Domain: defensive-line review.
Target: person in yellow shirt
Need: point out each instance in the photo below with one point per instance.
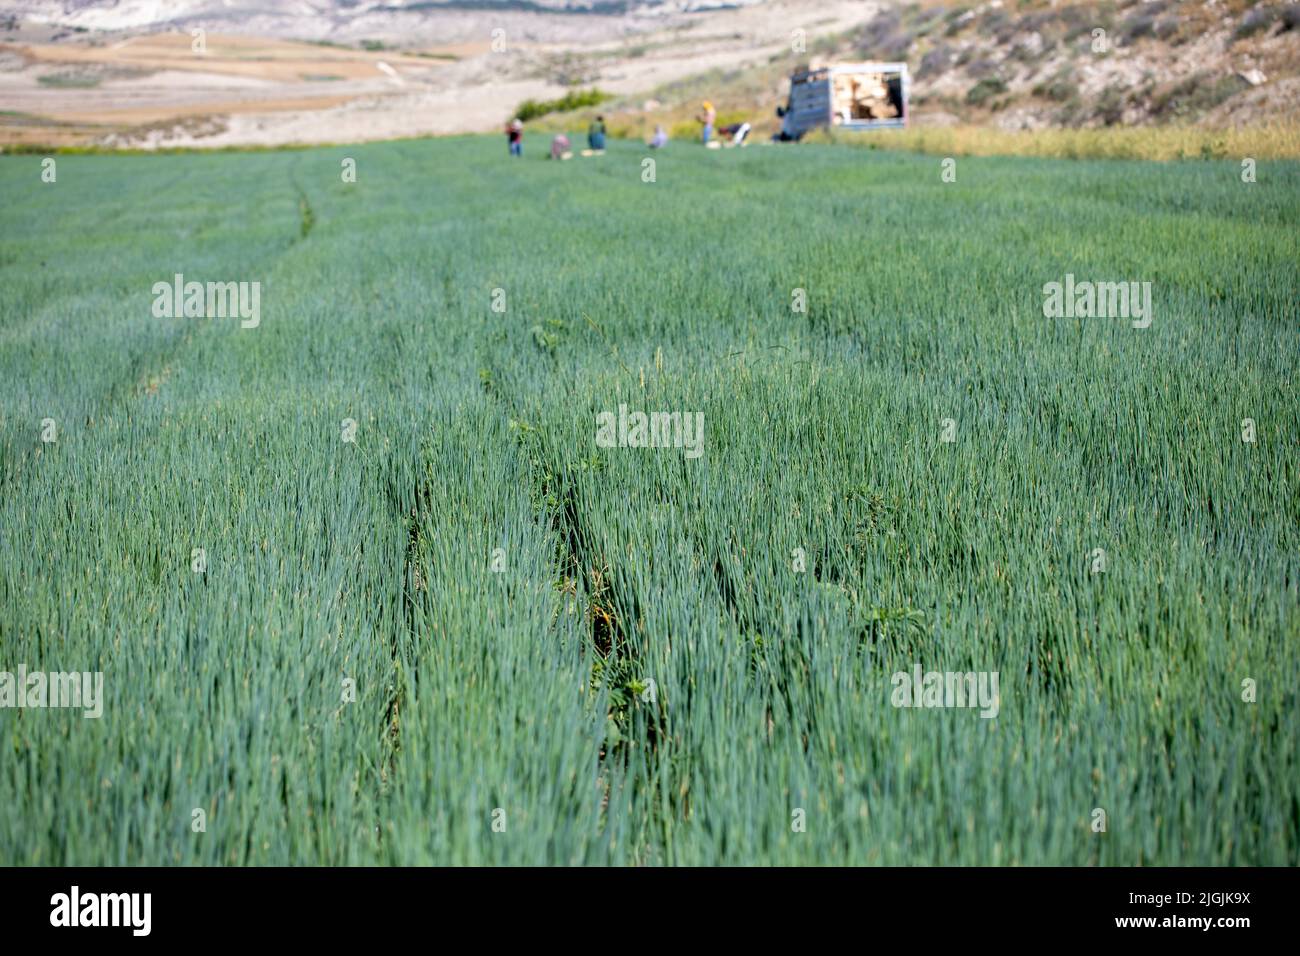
(708, 118)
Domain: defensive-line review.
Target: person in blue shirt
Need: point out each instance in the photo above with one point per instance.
(596, 133)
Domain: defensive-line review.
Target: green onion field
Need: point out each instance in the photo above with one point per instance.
(365, 588)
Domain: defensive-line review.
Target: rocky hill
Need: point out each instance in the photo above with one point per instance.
(121, 72)
(1031, 65)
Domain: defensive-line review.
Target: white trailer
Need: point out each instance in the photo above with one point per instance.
(854, 96)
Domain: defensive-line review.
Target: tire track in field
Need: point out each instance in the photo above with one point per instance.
(404, 505)
(89, 220)
(148, 372)
(306, 214)
(611, 601)
(134, 377)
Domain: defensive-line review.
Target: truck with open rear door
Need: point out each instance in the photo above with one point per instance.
(852, 96)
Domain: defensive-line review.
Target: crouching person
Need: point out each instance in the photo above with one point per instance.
(560, 147)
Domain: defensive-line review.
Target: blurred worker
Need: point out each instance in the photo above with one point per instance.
(707, 119)
(787, 134)
(735, 133)
(596, 134)
(515, 135)
(659, 139)
(560, 147)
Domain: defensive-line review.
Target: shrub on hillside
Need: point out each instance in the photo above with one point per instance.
(985, 90)
(1261, 19)
(1059, 88)
(936, 62)
(573, 100)
(885, 38)
(1141, 22)
(1195, 95)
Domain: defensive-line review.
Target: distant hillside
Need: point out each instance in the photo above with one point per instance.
(121, 73)
(344, 21)
(75, 74)
(1036, 65)
(1031, 65)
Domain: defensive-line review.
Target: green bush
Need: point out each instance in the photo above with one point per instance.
(70, 81)
(985, 90)
(1196, 95)
(574, 100)
(1059, 88)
